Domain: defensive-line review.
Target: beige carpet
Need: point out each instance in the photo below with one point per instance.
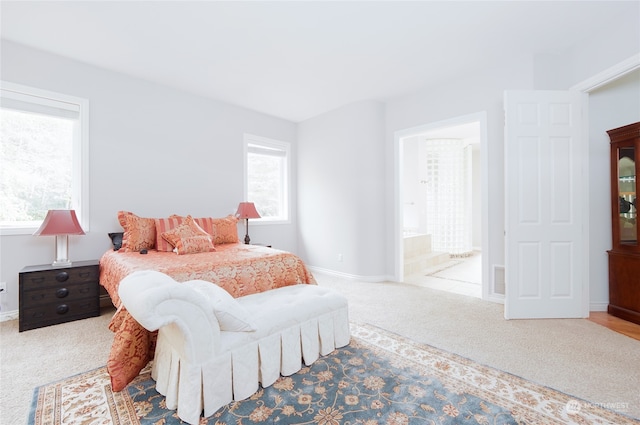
(577, 357)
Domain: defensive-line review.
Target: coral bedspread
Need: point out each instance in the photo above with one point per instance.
(238, 268)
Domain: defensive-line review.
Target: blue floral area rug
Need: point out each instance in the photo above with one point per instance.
(379, 379)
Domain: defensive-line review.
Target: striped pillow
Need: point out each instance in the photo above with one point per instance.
(164, 225)
(206, 223)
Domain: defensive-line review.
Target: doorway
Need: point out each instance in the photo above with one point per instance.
(457, 263)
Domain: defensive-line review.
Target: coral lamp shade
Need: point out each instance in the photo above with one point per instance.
(60, 222)
(247, 210)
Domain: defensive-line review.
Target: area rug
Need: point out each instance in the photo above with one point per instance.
(379, 379)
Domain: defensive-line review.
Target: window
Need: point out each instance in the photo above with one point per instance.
(43, 156)
(267, 177)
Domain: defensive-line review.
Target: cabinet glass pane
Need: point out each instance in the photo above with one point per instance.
(627, 196)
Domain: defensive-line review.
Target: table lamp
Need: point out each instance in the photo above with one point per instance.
(247, 210)
(61, 224)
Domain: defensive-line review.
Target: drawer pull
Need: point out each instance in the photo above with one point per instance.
(62, 292)
(37, 297)
(84, 274)
(62, 309)
(37, 314)
(37, 279)
(62, 276)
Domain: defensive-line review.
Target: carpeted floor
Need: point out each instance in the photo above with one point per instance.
(576, 357)
(380, 378)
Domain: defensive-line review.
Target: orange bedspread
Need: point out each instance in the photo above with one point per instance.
(238, 268)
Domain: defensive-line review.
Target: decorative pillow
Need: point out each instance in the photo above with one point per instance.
(116, 240)
(189, 238)
(206, 223)
(164, 225)
(230, 314)
(139, 233)
(194, 245)
(226, 230)
(133, 347)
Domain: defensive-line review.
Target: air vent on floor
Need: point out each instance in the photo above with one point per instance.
(498, 280)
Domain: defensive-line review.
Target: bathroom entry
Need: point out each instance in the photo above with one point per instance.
(441, 208)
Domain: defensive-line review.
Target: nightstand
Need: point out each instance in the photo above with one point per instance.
(52, 295)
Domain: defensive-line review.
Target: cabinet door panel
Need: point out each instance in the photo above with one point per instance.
(624, 256)
(627, 212)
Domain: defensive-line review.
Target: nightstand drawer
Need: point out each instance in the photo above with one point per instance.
(60, 293)
(54, 313)
(56, 277)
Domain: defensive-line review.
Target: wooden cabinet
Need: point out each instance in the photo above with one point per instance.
(51, 295)
(624, 256)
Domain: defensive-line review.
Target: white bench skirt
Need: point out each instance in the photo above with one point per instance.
(199, 367)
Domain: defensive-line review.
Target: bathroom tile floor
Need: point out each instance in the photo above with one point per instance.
(458, 275)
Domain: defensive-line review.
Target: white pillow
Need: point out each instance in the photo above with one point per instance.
(230, 314)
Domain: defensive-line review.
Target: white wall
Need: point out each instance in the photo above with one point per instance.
(154, 151)
(341, 198)
(605, 48)
(482, 91)
(616, 104)
(611, 106)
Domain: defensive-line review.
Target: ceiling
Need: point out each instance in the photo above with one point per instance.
(296, 60)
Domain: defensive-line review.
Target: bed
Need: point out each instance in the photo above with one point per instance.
(238, 268)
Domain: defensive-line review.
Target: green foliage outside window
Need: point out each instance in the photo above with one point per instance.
(265, 180)
(36, 162)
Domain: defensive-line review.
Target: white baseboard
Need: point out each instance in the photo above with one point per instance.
(374, 279)
(8, 315)
(598, 306)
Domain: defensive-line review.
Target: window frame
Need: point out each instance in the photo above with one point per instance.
(250, 139)
(80, 166)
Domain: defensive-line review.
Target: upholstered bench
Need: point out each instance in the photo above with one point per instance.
(213, 349)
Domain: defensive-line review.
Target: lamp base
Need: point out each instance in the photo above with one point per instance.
(62, 251)
(247, 239)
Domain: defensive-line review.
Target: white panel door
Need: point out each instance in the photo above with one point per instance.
(546, 152)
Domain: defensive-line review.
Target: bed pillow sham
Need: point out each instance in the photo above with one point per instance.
(139, 233)
(164, 225)
(226, 230)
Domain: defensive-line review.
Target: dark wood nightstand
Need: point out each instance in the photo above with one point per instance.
(52, 295)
